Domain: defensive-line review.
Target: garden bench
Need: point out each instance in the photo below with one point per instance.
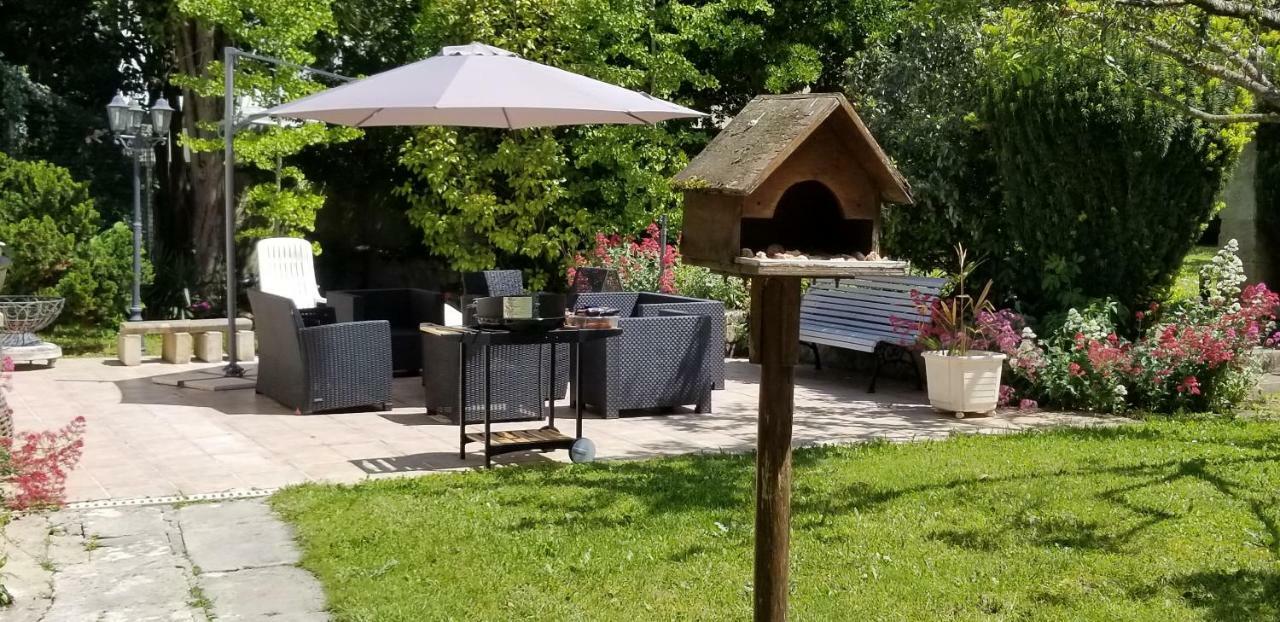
(177, 347)
(855, 314)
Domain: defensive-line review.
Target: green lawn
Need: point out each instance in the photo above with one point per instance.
(1187, 284)
(1153, 521)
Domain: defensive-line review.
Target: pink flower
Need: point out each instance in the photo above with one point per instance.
(1140, 315)
(1190, 384)
(1028, 404)
(1006, 395)
(1074, 369)
(39, 462)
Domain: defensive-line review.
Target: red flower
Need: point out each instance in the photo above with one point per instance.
(1074, 369)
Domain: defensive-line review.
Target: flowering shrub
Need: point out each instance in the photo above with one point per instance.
(1190, 356)
(1084, 363)
(637, 262)
(34, 465)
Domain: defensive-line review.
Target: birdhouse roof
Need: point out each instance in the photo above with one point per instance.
(769, 129)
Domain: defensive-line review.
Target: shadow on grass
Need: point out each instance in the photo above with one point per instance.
(621, 494)
(1223, 595)
(1239, 595)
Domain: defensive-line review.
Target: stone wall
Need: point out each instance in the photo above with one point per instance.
(1240, 217)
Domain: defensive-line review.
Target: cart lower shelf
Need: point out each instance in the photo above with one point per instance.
(523, 440)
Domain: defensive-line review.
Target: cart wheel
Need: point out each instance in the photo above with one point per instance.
(959, 415)
(583, 450)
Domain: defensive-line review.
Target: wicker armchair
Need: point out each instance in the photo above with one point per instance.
(670, 353)
(328, 367)
(492, 283)
(404, 309)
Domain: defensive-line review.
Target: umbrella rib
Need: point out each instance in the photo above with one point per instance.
(629, 114)
(361, 122)
(508, 118)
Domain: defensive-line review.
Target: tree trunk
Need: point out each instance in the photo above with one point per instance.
(195, 46)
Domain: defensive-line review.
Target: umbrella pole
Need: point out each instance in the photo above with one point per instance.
(229, 129)
(233, 368)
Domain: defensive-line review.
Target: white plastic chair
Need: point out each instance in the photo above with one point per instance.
(286, 268)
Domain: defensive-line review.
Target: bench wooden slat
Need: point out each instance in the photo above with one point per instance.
(863, 284)
(843, 308)
(877, 296)
(878, 317)
(850, 342)
(852, 326)
(874, 302)
(853, 335)
(182, 326)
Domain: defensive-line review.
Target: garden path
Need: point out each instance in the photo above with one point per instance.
(195, 562)
(148, 442)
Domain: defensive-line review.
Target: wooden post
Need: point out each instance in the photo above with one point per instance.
(775, 346)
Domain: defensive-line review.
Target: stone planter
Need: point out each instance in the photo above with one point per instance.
(963, 384)
(23, 316)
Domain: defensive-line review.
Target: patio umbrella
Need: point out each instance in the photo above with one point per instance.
(479, 85)
(472, 85)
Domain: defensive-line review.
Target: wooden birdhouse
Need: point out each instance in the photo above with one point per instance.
(793, 185)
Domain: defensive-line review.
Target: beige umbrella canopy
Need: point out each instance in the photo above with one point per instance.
(479, 85)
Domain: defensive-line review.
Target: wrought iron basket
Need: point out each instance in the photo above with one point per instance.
(24, 315)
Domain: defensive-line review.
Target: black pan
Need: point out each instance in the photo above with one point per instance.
(522, 312)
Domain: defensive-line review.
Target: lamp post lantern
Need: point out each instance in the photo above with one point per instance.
(138, 132)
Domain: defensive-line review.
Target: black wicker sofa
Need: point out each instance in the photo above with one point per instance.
(670, 353)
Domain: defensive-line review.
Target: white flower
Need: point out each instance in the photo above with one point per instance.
(1121, 391)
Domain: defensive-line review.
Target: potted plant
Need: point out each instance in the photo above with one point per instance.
(960, 380)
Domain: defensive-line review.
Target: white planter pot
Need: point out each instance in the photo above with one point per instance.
(964, 384)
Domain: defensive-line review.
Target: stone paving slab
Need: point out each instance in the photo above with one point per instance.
(261, 540)
(143, 563)
(276, 592)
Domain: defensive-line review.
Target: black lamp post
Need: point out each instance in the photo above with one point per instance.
(138, 139)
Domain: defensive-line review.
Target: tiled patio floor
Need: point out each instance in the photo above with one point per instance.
(146, 439)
